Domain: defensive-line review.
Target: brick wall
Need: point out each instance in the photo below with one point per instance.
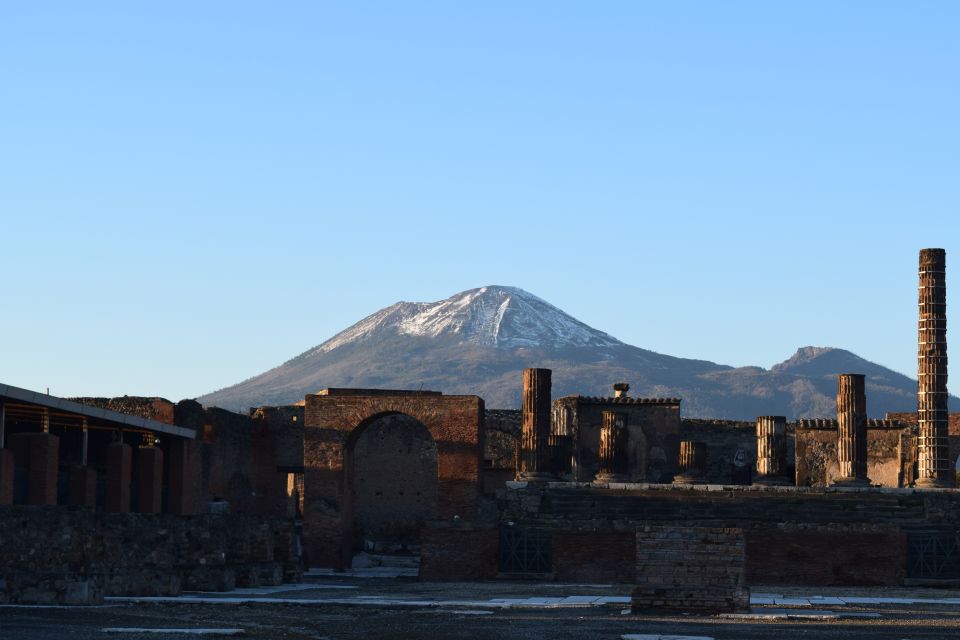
(78, 556)
(459, 553)
(335, 419)
(594, 556)
(690, 569)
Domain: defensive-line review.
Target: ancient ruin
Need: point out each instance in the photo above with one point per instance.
(578, 488)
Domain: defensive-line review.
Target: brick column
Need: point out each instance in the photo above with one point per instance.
(851, 430)
(692, 463)
(182, 478)
(43, 466)
(614, 454)
(6, 476)
(119, 465)
(772, 450)
(83, 487)
(535, 436)
(935, 467)
(149, 479)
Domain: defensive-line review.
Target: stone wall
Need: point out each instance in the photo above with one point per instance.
(731, 448)
(816, 454)
(687, 569)
(793, 535)
(78, 556)
(653, 434)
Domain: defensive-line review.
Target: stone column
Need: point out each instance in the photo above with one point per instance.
(149, 479)
(851, 430)
(934, 468)
(692, 463)
(119, 465)
(535, 436)
(772, 450)
(614, 452)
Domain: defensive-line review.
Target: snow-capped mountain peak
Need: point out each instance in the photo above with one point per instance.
(498, 316)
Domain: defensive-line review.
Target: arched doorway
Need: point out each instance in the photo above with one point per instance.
(391, 485)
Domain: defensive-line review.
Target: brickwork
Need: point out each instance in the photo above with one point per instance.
(43, 457)
(61, 562)
(690, 569)
(459, 553)
(6, 476)
(594, 556)
(935, 467)
(149, 479)
(332, 424)
(83, 487)
(119, 465)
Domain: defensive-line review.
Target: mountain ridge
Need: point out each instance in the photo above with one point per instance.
(478, 341)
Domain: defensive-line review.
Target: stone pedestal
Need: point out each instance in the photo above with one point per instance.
(935, 468)
(535, 435)
(692, 463)
(772, 450)
(614, 452)
(83, 487)
(6, 476)
(119, 465)
(149, 479)
(851, 430)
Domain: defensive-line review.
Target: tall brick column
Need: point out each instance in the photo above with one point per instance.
(43, 467)
(149, 479)
(933, 451)
(6, 476)
(535, 435)
(182, 480)
(772, 450)
(692, 462)
(851, 429)
(614, 454)
(119, 465)
(83, 487)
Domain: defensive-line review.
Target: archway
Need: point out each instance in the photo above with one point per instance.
(392, 486)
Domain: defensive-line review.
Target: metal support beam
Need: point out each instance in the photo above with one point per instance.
(45, 421)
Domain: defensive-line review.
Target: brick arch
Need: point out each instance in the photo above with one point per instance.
(335, 417)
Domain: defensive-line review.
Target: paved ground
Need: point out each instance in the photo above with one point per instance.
(387, 608)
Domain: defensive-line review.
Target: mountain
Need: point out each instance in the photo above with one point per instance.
(478, 341)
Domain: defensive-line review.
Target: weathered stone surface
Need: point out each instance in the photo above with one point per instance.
(692, 462)
(614, 448)
(851, 429)
(695, 569)
(535, 455)
(771, 449)
(77, 556)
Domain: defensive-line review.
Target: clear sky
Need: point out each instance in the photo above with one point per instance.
(194, 192)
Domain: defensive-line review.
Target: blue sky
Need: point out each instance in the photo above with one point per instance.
(192, 193)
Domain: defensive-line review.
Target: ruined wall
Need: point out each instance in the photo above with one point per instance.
(78, 556)
(501, 448)
(953, 431)
(454, 423)
(653, 434)
(793, 535)
(888, 453)
(159, 409)
(731, 448)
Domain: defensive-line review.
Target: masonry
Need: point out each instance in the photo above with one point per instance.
(78, 556)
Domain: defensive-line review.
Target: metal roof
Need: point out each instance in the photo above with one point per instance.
(105, 415)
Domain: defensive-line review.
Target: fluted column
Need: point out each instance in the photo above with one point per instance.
(535, 436)
(851, 429)
(772, 450)
(692, 463)
(614, 454)
(933, 451)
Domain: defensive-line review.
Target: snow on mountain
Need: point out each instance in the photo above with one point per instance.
(496, 316)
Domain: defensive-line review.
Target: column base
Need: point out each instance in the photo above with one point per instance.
(851, 482)
(535, 476)
(773, 481)
(931, 483)
(607, 478)
(690, 478)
